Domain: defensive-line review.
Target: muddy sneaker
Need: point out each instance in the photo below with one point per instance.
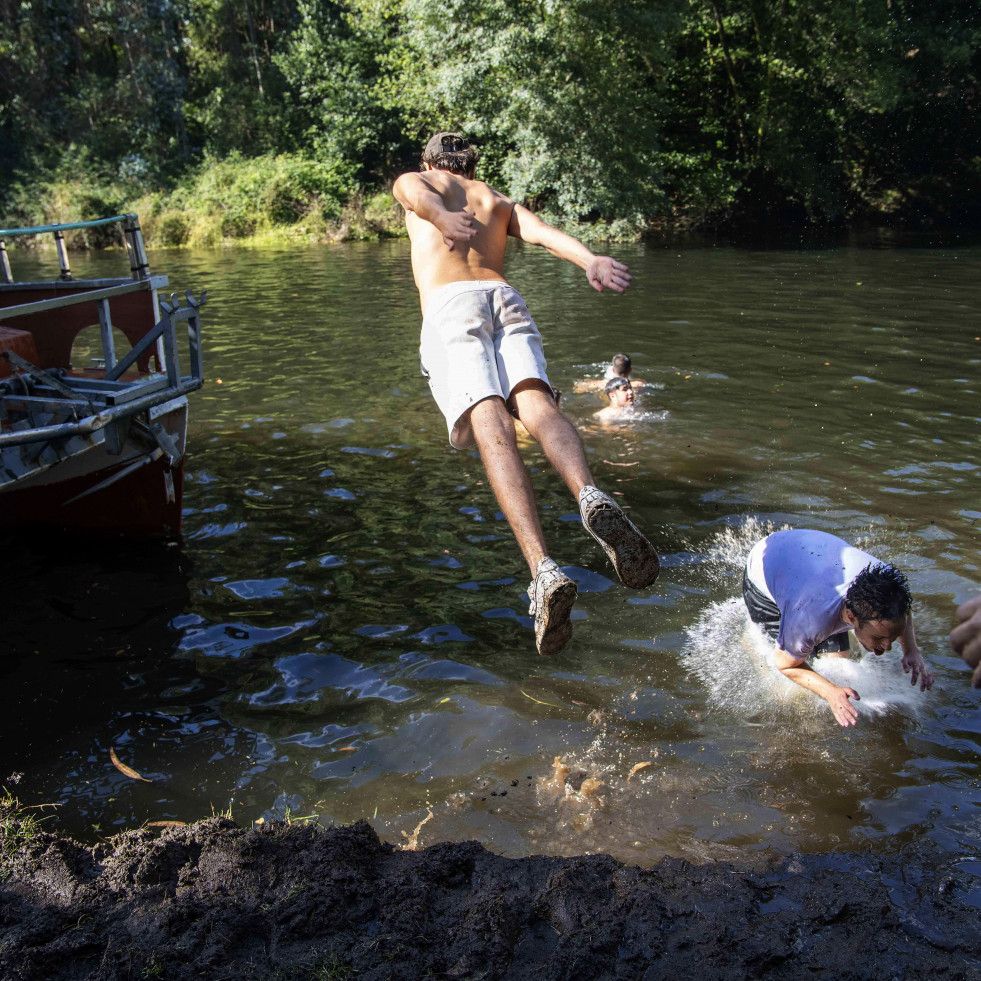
(552, 595)
(632, 555)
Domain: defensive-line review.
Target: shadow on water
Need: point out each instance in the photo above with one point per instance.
(89, 664)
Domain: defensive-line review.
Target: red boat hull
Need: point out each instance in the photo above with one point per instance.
(135, 505)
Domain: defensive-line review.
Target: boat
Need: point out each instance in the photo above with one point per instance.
(95, 446)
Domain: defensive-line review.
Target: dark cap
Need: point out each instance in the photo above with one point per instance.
(445, 143)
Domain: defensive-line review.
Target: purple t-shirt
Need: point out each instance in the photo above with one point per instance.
(806, 573)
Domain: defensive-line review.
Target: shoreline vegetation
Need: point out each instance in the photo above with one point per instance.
(288, 120)
(275, 201)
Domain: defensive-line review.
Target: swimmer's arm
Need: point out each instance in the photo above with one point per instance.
(912, 658)
(797, 670)
(589, 385)
(417, 195)
(965, 638)
(602, 271)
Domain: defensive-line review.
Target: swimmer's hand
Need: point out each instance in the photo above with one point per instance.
(913, 661)
(456, 226)
(845, 713)
(965, 638)
(605, 272)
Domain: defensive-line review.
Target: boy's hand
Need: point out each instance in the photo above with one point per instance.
(606, 272)
(912, 661)
(965, 638)
(845, 713)
(456, 226)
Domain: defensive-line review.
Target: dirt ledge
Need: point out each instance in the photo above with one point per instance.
(221, 902)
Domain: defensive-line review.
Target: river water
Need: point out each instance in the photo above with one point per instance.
(342, 632)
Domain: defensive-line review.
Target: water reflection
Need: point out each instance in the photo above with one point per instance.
(344, 631)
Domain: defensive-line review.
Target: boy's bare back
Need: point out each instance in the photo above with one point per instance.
(488, 213)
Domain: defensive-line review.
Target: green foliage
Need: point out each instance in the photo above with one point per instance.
(241, 197)
(563, 95)
(238, 100)
(240, 117)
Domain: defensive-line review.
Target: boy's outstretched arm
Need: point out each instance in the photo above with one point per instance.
(416, 194)
(797, 670)
(602, 271)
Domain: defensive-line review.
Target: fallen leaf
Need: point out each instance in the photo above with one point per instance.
(636, 767)
(124, 769)
(539, 701)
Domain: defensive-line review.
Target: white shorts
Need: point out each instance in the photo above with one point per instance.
(478, 340)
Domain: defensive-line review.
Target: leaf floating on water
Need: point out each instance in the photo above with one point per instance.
(166, 824)
(538, 700)
(127, 771)
(636, 767)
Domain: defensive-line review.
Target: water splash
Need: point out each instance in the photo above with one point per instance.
(731, 546)
(733, 658)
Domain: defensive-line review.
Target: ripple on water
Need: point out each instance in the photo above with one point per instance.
(234, 639)
(326, 678)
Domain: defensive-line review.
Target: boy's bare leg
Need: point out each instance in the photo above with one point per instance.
(557, 436)
(493, 429)
(552, 593)
(634, 558)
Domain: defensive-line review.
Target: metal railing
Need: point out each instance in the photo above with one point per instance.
(99, 403)
(132, 236)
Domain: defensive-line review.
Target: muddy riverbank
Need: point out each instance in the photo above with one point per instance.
(293, 901)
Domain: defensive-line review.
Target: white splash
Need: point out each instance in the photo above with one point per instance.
(734, 660)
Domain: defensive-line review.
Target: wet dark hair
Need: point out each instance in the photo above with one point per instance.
(614, 383)
(879, 592)
(621, 364)
(452, 152)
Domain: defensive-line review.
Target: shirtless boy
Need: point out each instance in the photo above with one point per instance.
(620, 367)
(807, 589)
(482, 354)
(621, 395)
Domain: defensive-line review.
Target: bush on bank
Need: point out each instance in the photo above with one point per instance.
(259, 200)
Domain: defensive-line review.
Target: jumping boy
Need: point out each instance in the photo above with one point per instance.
(482, 354)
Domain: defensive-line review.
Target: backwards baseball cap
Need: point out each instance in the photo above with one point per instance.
(445, 143)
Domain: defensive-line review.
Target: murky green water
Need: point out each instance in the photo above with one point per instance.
(343, 630)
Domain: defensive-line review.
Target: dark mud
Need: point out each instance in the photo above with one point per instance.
(217, 901)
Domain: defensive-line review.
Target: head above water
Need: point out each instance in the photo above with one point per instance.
(877, 604)
(621, 365)
(452, 152)
(620, 392)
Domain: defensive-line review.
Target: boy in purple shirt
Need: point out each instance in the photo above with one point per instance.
(807, 589)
